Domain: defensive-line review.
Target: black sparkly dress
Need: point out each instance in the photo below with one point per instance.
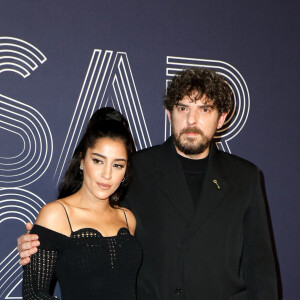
(86, 265)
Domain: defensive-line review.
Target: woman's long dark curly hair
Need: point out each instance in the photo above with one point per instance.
(205, 82)
(105, 123)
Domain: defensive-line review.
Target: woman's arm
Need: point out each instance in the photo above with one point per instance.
(51, 226)
(39, 273)
(51, 216)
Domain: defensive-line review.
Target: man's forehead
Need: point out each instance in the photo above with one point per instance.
(195, 98)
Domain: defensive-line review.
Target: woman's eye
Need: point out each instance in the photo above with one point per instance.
(97, 161)
(118, 166)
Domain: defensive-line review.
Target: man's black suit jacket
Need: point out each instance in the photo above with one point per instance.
(219, 251)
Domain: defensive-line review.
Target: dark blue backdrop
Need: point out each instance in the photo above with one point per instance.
(48, 65)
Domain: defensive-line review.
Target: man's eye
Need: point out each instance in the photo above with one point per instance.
(181, 108)
(205, 109)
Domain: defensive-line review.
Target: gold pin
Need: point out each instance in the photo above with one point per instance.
(215, 181)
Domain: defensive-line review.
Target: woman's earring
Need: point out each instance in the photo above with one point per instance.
(81, 167)
(123, 180)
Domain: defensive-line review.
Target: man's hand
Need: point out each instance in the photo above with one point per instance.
(27, 245)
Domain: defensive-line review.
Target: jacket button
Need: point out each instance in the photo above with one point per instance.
(178, 291)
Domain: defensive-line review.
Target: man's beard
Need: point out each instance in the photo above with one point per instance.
(190, 145)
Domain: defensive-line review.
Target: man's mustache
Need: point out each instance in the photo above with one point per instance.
(191, 130)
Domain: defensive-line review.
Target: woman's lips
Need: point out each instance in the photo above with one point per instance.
(103, 186)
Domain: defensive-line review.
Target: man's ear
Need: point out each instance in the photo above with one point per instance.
(169, 115)
(222, 120)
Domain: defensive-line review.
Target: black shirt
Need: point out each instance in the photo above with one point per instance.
(194, 171)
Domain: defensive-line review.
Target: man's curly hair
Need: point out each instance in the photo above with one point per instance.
(205, 82)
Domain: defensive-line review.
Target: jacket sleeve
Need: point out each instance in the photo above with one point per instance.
(258, 259)
(39, 273)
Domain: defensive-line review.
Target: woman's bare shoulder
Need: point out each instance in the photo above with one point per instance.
(53, 216)
(130, 219)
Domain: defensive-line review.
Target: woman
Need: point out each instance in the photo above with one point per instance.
(86, 239)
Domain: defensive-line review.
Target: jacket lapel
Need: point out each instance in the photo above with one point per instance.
(215, 188)
(170, 180)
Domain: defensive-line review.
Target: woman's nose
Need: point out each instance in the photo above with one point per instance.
(106, 172)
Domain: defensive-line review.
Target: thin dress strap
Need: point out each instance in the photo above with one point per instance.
(125, 217)
(67, 215)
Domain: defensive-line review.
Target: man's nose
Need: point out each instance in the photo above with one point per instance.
(192, 117)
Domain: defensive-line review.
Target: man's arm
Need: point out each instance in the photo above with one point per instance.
(27, 245)
(258, 258)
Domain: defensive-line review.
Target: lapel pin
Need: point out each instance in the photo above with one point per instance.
(215, 181)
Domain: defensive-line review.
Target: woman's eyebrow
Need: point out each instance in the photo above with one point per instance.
(103, 156)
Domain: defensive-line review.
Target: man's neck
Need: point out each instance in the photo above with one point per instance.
(194, 156)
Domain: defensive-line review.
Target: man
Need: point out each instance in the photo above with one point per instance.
(200, 212)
